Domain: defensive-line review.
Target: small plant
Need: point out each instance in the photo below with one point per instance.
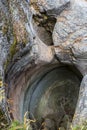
(27, 122)
(81, 127)
(13, 48)
(3, 121)
(2, 95)
(15, 125)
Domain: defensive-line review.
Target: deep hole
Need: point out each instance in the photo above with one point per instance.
(52, 97)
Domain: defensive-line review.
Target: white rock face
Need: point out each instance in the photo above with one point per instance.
(82, 3)
(52, 4)
(70, 36)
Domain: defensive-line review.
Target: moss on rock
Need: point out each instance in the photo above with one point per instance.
(3, 121)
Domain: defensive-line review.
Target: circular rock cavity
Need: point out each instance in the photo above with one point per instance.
(53, 95)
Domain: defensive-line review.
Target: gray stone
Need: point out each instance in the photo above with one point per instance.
(69, 36)
(49, 124)
(52, 4)
(81, 110)
(70, 41)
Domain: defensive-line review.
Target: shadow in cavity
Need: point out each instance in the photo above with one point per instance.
(43, 26)
(54, 98)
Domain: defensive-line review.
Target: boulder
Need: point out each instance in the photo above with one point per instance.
(70, 36)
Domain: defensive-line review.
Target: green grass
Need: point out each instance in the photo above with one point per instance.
(81, 127)
(15, 125)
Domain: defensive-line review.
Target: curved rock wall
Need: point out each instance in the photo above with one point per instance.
(23, 50)
(47, 92)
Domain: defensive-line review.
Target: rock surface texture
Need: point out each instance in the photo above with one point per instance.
(42, 43)
(70, 36)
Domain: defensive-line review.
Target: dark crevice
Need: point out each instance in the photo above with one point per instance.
(44, 25)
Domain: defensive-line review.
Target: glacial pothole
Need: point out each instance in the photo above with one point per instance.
(53, 96)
